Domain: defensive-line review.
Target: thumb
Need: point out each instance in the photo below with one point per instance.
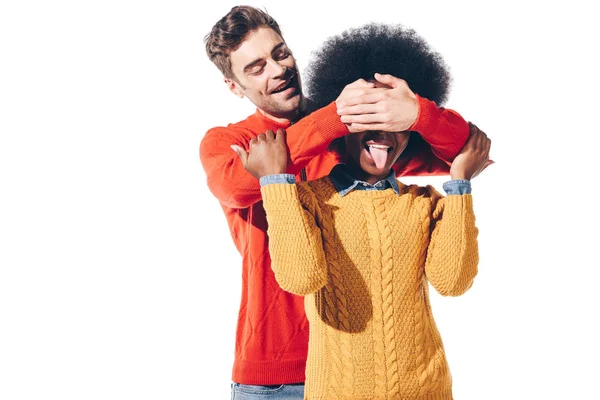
(281, 135)
(241, 153)
(389, 80)
(487, 164)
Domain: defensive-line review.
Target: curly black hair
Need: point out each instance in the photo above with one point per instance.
(387, 49)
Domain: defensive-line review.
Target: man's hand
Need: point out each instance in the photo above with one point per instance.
(391, 106)
(474, 156)
(268, 154)
(353, 90)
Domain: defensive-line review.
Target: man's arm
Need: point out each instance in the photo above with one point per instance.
(399, 109)
(233, 180)
(443, 129)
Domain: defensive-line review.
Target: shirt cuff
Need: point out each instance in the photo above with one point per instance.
(457, 186)
(277, 178)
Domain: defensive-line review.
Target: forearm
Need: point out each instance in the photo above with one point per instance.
(311, 135)
(452, 256)
(295, 245)
(443, 129)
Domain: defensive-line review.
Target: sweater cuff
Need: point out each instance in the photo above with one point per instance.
(457, 186)
(329, 124)
(458, 203)
(427, 118)
(279, 192)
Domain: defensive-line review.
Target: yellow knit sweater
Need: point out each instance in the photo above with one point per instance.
(363, 262)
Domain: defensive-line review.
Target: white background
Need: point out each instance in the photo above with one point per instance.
(118, 277)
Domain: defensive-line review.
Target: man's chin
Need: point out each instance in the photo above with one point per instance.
(291, 103)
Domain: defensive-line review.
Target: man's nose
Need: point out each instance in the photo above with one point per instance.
(277, 69)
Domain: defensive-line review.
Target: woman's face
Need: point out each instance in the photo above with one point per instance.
(374, 152)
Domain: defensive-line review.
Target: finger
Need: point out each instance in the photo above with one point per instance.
(389, 80)
(269, 135)
(261, 137)
(487, 145)
(369, 97)
(241, 153)
(487, 164)
(482, 138)
(360, 83)
(473, 137)
(360, 109)
(357, 127)
(281, 135)
(364, 119)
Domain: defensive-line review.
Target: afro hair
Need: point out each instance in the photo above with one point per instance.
(387, 49)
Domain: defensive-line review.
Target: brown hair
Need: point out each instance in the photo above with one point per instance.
(230, 31)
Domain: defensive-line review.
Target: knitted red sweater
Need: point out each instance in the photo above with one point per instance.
(272, 330)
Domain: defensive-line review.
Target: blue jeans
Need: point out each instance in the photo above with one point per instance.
(273, 392)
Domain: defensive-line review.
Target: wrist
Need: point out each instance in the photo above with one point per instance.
(274, 171)
(416, 114)
(460, 177)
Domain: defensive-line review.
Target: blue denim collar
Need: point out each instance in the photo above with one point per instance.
(344, 182)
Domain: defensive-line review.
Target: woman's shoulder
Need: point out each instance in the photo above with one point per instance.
(414, 190)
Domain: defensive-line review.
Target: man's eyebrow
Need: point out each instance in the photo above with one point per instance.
(259, 60)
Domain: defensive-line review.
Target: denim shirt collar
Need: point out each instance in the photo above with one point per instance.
(344, 182)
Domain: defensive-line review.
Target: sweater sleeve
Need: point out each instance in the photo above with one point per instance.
(237, 188)
(452, 255)
(295, 244)
(311, 135)
(226, 176)
(444, 131)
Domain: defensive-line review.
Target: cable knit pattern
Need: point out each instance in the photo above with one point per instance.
(368, 258)
(378, 310)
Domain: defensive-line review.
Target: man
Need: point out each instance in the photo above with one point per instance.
(248, 48)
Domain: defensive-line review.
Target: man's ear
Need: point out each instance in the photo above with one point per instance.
(234, 87)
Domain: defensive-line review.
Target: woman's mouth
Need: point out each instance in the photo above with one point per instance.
(378, 152)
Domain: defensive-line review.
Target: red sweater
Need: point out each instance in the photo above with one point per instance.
(272, 331)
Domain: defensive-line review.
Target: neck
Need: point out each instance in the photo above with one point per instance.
(359, 174)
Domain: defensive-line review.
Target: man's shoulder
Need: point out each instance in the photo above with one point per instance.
(246, 125)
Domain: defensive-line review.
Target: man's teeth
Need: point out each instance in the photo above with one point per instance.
(280, 88)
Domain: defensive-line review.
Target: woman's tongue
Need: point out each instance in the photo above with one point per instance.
(379, 155)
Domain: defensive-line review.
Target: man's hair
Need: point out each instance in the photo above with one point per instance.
(229, 33)
(387, 49)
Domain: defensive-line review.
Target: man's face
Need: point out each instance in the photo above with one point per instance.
(266, 73)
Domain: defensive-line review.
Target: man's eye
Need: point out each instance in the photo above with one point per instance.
(282, 56)
(256, 70)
